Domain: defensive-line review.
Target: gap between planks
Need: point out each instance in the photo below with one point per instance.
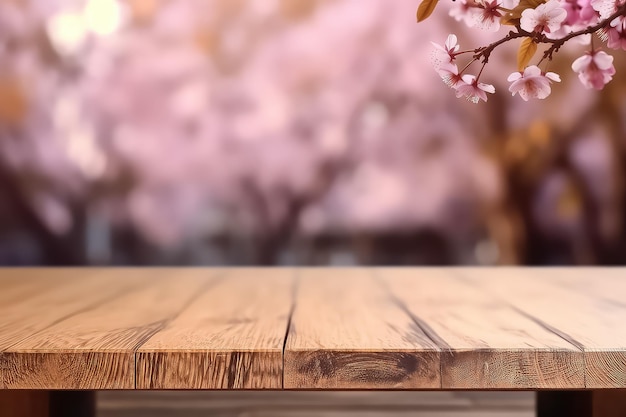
(460, 275)
(430, 333)
(231, 345)
(379, 346)
(64, 369)
(211, 282)
(490, 345)
(294, 294)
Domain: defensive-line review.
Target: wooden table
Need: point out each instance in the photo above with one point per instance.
(67, 333)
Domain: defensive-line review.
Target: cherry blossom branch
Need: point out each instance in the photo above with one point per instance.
(485, 52)
(558, 43)
(534, 26)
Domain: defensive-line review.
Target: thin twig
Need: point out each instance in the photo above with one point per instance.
(558, 43)
(484, 52)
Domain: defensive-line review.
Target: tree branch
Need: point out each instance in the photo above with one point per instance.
(558, 43)
(484, 52)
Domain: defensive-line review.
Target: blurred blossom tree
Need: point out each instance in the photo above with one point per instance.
(279, 121)
(39, 177)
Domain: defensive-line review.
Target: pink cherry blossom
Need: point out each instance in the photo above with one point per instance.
(509, 4)
(580, 15)
(595, 69)
(474, 91)
(615, 37)
(606, 7)
(532, 83)
(546, 18)
(466, 11)
(449, 73)
(579, 12)
(489, 17)
(444, 54)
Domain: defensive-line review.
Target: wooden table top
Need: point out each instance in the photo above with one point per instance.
(421, 329)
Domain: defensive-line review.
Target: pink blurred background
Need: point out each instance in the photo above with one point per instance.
(261, 132)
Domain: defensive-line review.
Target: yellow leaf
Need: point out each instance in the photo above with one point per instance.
(526, 52)
(427, 7)
(531, 3)
(509, 19)
(516, 13)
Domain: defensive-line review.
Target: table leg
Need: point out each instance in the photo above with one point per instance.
(23, 403)
(72, 404)
(565, 403)
(47, 404)
(602, 403)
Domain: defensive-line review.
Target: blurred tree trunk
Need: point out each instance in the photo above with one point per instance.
(19, 216)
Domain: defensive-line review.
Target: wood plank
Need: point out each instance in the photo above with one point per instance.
(488, 345)
(20, 284)
(347, 333)
(57, 295)
(94, 348)
(593, 323)
(229, 338)
(608, 284)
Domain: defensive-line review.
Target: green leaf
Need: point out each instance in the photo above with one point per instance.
(526, 52)
(426, 8)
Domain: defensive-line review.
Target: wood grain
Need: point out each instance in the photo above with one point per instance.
(231, 337)
(32, 300)
(607, 284)
(488, 345)
(18, 285)
(607, 288)
(594, 324)
(94, 347)
(336, 329)
(347, 333)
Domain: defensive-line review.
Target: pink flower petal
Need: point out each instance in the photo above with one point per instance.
(514, 77)
(553, 76)
(451, 43)
(532, 71)
(603, 60)
(581, 63)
